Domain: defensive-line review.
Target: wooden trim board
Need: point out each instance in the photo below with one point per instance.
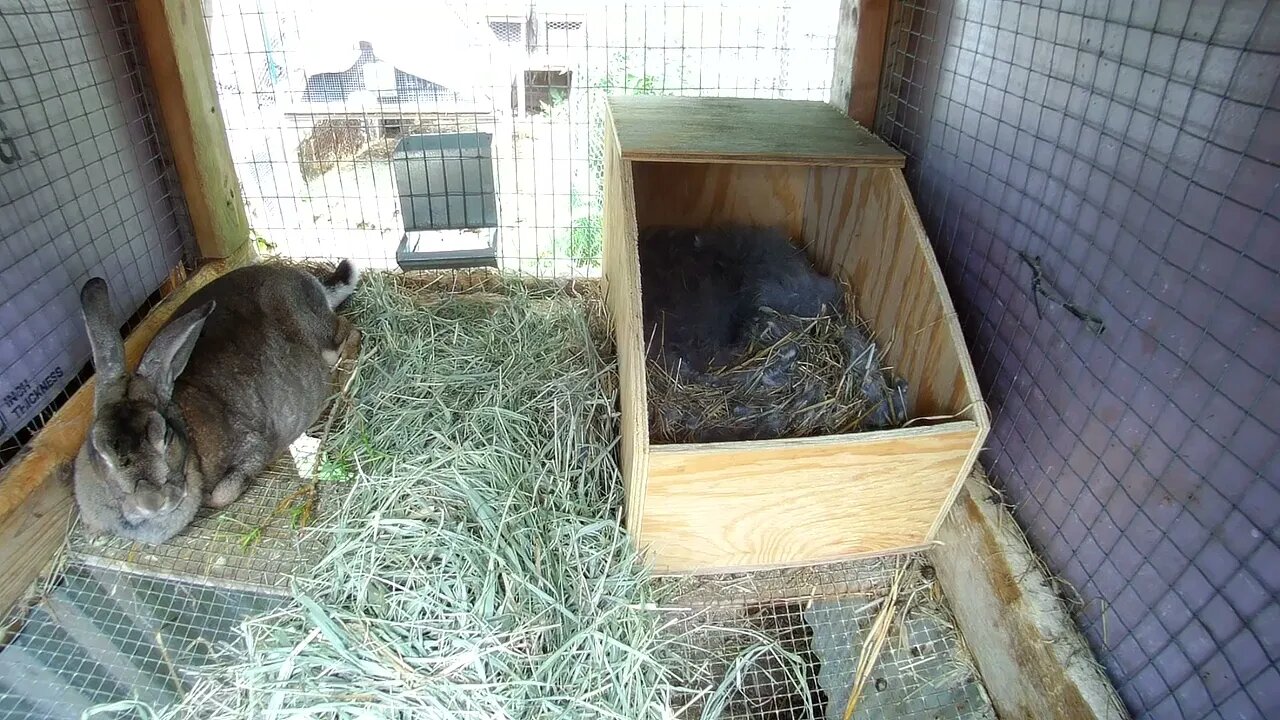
(660, 128)
(622, 297)
(861, 36)
(35, 490)
(181, 67)
(842, 67)
(868, 59)
(769, 503)
(1032, 658)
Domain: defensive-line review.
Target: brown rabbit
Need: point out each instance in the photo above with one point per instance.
(239, 373)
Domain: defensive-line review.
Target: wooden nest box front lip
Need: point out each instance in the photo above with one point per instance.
(809, 169)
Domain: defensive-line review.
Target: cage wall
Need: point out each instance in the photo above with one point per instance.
(85, 190)
(317, 100)
(1100, 181)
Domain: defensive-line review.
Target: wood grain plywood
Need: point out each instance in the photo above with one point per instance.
(744, 130)
(701, 194)
(763, 504)
(865, 230)
(622, 295)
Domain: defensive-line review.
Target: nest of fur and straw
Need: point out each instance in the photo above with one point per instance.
(796, 377)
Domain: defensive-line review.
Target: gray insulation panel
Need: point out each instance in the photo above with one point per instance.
(81, 193)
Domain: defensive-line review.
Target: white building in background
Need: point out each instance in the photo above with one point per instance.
(288, 71)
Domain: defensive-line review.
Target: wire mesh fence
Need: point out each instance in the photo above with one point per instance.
(1101, 182)
(116, 641)
(86, 190)
(321, 102)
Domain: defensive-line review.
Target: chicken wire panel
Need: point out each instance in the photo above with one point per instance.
(1100, 180)
(85, 191)
(316, 98)
(786, 644)
(97, 637)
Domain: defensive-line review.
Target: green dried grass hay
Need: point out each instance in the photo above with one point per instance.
(475, 567)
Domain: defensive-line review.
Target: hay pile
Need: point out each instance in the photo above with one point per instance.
(747, 341)
(331, 141)
(476, 568)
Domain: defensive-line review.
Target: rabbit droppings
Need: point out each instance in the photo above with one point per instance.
(238, 374)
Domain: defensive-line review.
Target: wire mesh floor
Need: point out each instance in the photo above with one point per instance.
(133, 625)
(256, 544)
(103, 635)
(787, 644)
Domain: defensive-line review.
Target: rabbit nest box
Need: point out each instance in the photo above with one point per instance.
(746, 341)
(744, 173)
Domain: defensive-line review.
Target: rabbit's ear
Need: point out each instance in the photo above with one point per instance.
(104, 335)
(168, 353)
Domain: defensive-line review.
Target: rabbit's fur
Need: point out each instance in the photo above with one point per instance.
(701, 289)
(690, 298)
(239, 373)
(773, 272)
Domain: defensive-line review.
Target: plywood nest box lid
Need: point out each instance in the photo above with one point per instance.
(744, 130)
(838, 191)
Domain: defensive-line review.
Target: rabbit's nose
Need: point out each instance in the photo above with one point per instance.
(150, 503)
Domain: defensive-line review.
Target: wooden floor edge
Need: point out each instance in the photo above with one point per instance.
(36, 503)
(1032, 658)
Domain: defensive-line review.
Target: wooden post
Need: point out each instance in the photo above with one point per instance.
(860, 43)
(181, 65)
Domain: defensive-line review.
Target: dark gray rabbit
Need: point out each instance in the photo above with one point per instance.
(774, 273)
(701, 290)
(238, 374)
(690, 300)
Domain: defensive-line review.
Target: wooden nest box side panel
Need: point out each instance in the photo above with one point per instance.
(840, 192)
(621, 280)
